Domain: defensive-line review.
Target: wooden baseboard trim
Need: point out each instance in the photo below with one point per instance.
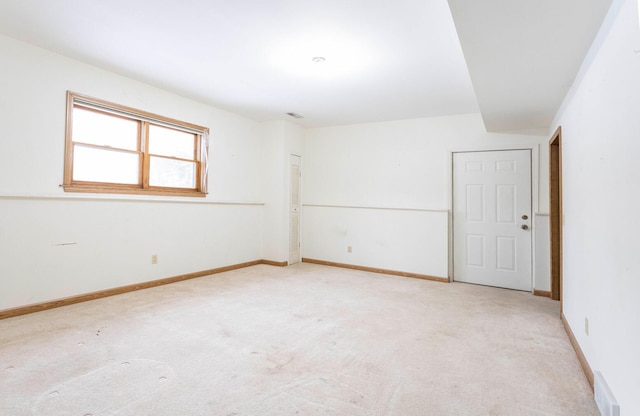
(376, 270)
(543, 293)
(275, 263)
(574, 342)
(23, 310)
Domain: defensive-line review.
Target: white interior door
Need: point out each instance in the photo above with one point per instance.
(492, 218)
(294, 210)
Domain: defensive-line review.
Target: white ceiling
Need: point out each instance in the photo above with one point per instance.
(385, 60)
(524, 55)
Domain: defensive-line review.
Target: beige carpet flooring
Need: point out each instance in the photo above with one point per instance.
(301, 340)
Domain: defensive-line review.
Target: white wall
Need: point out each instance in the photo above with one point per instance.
(113, 238)
(542, 250)
(364, 169)
(273, 165)
(280, 139)
(400, 164)
(600, 122)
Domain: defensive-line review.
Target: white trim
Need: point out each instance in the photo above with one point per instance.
(490, 148)
(125, 198)
(376, 207)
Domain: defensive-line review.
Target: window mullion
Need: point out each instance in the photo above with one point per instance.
(198, 159)
(144, 143)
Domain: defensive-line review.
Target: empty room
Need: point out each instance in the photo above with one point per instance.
(277, 207)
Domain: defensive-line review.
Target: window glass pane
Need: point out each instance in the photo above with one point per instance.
(172, 173)
(101, 165)
(104, 130)
(169, 142)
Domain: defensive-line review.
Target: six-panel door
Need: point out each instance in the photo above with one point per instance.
(492, 218)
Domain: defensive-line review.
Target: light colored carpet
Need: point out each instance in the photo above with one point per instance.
(301, 340)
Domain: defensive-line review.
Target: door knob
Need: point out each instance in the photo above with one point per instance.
(525, 217)
(524, 226)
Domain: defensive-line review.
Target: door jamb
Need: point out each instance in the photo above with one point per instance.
(555, 213)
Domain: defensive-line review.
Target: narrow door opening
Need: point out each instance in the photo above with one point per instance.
(555, 213)
(294, 209)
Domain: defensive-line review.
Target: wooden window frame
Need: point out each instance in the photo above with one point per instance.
(144, 120)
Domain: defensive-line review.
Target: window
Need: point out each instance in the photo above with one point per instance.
(115, 149)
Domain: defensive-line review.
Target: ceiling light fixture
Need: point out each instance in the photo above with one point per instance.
(336, 55)
(294, 115)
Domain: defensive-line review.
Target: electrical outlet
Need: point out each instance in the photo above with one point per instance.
(154, 259)
(349, 249)
(586, 326)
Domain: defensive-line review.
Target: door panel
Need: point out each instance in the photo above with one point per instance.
(475, 203)
(294, 210)
(491, 204)
(505, 204)
(475, 250)
(506, 257)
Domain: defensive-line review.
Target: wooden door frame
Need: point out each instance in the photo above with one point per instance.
(555, 213)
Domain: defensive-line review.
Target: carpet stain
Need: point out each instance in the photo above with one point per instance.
(106, 390)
